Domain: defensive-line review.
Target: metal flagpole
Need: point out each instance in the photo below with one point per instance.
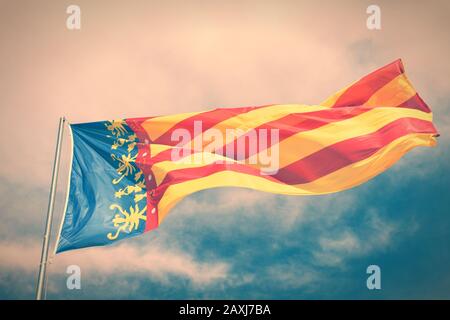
(51, 204)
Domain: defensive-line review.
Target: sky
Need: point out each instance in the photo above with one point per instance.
(145, 58)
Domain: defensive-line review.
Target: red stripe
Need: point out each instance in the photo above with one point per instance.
(350, 151)
(208, 120)
(288, 126)
(293, 124)
(316, 165)
(416, 102)
(361, 91)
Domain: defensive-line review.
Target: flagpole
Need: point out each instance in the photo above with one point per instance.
(51, 204)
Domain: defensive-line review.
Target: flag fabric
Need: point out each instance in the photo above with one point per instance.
(126, 175)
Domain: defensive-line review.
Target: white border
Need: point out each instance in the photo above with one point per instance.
(67, 191)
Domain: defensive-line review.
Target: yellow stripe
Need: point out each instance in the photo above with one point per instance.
(156, 127)
(394, 93)
(330, 101)
(339, 180)
(158, 148)
(253, 119)
(305, 143)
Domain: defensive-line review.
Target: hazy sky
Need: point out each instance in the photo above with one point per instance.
(144, 58)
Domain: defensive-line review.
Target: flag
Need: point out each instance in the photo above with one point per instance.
(126, 175)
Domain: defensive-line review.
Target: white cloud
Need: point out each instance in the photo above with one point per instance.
(158, 263)
(373, 234)
(292, 276)
(345, 242)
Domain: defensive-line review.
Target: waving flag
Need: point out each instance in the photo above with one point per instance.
(127, 174)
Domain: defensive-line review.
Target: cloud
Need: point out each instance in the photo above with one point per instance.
(293, 276)
(374, 234)
(345, 242)
(155, 262)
